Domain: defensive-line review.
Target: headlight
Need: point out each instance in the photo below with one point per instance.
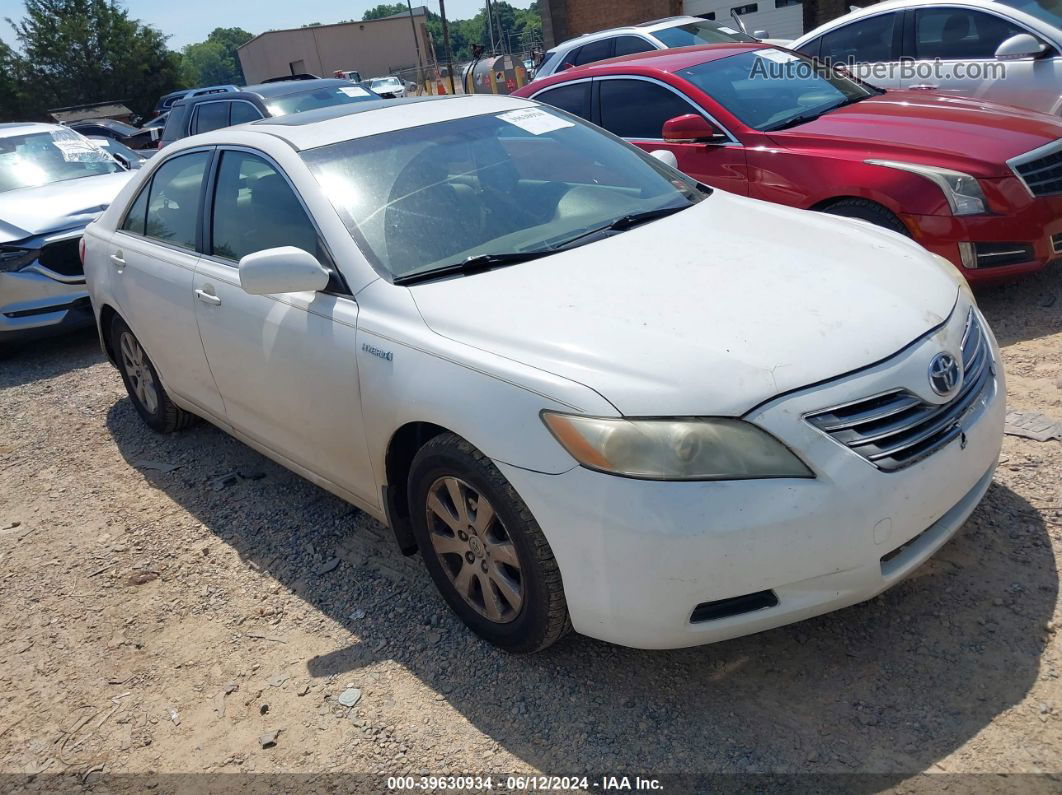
(962, 191)
(675, 449)
(14, 259)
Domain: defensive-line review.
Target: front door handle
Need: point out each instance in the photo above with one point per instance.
(208, 298)
(924, 87)
(118, 261)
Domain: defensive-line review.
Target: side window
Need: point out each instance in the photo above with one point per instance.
(629, 45)
(866, 41)
(255, 209)
(210, 116)
(136, 217)
(638, 109)
(959, 33)
(572, 97)
(594, 51)
(173, 202)
(243, 112)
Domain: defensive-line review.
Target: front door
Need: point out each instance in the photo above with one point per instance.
(286, 365)
(636, 109)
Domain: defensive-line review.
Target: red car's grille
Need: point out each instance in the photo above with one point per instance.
(1042, 175)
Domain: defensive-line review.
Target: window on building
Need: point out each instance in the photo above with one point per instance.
(751, 8)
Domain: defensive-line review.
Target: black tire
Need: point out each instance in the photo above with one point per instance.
(161, 414)
(542, 618)
(870, 211)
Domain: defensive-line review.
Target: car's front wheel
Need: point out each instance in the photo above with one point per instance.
(143, 384)
(484, 549)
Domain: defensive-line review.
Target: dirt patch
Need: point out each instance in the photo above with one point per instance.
(183, 604)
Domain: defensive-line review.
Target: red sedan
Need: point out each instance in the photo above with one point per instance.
(978, 183)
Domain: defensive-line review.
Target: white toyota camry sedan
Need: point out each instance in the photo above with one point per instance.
(593, 393)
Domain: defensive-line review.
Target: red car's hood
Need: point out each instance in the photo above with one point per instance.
(968, 135)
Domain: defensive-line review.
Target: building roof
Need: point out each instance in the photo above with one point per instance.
(418, 11)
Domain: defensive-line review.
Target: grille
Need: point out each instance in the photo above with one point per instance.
(993, 255)
(1042, 174)
(896, 429)
(62, 257)
(1056, 243)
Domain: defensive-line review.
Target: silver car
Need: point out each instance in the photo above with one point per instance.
(660, 34)
(53, 182)
(1007, 51)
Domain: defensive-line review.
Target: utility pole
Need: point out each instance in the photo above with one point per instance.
(416, 43)
(490, 28)
(446, 44)
(501, 37)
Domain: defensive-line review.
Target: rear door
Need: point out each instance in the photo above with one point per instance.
(286, 365)
(635, 108)
(153, 256)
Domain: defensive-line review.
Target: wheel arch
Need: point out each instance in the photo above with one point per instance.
(105, 320)
(401, 449)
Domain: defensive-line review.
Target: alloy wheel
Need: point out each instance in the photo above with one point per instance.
(475, 549)
(135, 364)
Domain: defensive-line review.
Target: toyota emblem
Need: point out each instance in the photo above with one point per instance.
(945, 375)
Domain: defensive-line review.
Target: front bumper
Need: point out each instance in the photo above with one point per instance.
(1035, 223)
(34, 305)
(637, 557)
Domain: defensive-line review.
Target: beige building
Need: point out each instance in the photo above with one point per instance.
(372, 47)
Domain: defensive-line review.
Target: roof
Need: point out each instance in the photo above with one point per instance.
(284, 87)
(662, 60)
(418, 11)
(93, 110)
(12, 128)
(343, 122)
(641, 27)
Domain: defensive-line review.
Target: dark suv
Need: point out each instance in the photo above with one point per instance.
(212, 112)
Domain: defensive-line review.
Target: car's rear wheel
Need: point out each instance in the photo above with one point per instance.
(866, 210)
(484, 549)
(143, 384)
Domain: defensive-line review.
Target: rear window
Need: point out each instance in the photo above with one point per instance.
(319, 98)
(694, 33)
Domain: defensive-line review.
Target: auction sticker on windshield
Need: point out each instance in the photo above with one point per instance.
(777, 56)
(354, 91)
(535, 121)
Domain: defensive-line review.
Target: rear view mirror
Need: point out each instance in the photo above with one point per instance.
(1021, 45)
(282, 270)
(692, 128)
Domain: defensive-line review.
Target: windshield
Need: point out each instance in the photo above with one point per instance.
(29, 161)
(693, 33)
(769, 89)
(522, 181)
(1049, 11)
(319, 98)
(386, 81)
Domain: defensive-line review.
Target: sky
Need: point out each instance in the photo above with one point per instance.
(189, 21)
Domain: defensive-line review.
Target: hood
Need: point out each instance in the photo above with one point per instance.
(28, 212)
(710, 311)
(968, 135)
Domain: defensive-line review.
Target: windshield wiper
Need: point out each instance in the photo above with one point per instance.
(474, 264)
(622, 224)
(804, 118)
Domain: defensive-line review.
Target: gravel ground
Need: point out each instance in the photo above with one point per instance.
(164, 621)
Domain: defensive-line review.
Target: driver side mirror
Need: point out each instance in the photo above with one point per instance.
(1019, 46)
(692, 128)
(760, 34)
(282, 270)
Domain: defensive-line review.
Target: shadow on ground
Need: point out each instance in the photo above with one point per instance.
(48, 358)
(890, 686)
(1039, 297)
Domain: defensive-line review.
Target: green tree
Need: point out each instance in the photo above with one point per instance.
(81, 51)
(385, 10)
(214, 61)
(10, 95)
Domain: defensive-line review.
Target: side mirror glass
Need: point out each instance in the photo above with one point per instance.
(665, 156)
(1021, 45)
(760, 34)
(691, 128)
(282, 270)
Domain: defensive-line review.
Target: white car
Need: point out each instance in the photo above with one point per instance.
(1006, 51)
(388, 85)
(592, 392)
(659, 34)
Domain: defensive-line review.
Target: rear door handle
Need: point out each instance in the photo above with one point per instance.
(208, 298)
